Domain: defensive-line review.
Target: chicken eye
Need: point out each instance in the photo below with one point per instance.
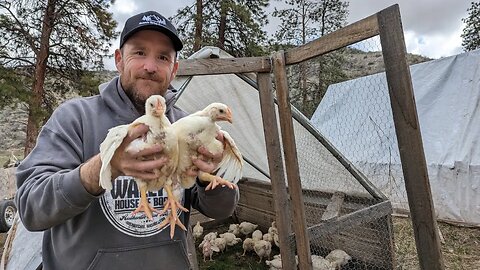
(221, 111)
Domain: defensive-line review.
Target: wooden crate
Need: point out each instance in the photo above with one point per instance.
(362, 228)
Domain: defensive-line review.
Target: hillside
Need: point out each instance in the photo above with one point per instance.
(359, 63)
(13, 120)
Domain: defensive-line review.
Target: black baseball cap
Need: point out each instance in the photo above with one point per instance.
(150, 20)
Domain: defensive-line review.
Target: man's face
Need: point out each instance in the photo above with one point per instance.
(147, 65)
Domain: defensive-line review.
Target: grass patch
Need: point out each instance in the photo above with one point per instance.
(231, 259)
(5, 155)
(461, 249)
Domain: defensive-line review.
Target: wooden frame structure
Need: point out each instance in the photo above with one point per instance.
(387, 25)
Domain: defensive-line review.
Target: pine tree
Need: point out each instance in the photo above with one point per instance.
(233, 25)
(471, 32)
(53, 42)
(301, 22)
(12, 87)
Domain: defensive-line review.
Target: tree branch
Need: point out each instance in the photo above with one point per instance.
(24, 32)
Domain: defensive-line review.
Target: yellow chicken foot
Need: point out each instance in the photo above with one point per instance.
(144, 205)
(214, 181)
(172, 204)
(172, 220)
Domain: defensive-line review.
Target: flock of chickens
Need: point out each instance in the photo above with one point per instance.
(260, 243)
(181, 141)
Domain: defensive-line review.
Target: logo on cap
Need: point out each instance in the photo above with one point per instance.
(153, 19)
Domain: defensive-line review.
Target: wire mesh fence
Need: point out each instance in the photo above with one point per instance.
(356, 116)
(345, 93)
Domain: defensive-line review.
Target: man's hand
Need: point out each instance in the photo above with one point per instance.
(90, 175)
(206, 161)
(142, 164)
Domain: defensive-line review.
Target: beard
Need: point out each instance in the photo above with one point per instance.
(136, 99)
(139, 96)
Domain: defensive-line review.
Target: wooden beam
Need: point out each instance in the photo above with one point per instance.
(409, 139)
(190, 67)
(191, 250)
(291, 162)
(275, 164)
(350, 220)
(345, 36)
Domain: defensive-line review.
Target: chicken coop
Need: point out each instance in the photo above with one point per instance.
(320, 200)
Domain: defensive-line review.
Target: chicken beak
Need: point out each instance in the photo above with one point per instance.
(158, 108)
(229, 117)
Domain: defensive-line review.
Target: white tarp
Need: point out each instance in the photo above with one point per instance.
(319, 169)
(356, 117)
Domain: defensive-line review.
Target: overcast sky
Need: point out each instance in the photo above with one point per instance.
(432, 27)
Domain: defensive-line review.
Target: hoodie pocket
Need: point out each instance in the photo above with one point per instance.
(155, 256)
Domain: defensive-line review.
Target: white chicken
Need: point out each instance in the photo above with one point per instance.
(338, 258)
(208, 249)
(208, 237)
(230, 238)
(248, 245)
(197, 231)
(273, 229)
(319, 263)
(257, 235)
(200, 129)
(263, 249)
(268, 237)
(275, 264)
(247, 228)
(193, 131)
(159, 133)
(234, 228)
(221, 243)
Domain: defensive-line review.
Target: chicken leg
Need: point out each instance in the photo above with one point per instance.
(172, 204)
(144, 205)
(214, 181)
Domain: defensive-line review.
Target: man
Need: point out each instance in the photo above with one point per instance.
(58, 188)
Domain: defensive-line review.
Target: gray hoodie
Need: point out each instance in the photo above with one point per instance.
(82, 231)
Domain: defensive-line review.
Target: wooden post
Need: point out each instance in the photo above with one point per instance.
(409, 139)
(191, 251)
(291, 162)
(275, 164)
